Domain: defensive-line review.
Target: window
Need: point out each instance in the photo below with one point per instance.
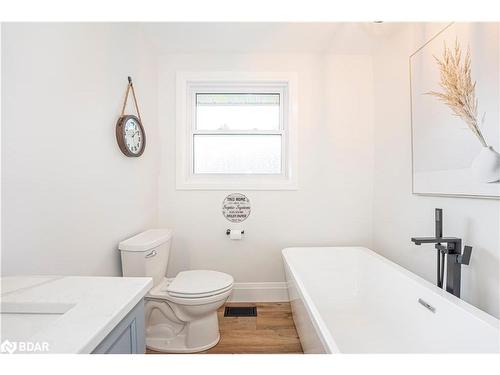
(235, 131)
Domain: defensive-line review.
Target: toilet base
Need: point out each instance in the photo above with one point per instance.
(176, 345)
(182, 325)
(166, 333)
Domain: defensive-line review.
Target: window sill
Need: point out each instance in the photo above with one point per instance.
(232, 183)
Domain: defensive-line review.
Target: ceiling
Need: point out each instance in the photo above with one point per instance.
(190, 37)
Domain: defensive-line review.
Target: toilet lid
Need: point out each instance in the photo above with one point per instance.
(199, 282)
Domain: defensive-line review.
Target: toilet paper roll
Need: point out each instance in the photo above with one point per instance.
(235, 234)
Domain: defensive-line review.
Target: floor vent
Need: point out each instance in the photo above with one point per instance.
(240, 311)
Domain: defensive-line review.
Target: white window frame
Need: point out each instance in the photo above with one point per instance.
(190, 83)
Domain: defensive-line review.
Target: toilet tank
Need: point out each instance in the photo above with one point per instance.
(146, 254)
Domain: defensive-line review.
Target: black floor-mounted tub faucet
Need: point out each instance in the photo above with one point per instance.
(451, 248)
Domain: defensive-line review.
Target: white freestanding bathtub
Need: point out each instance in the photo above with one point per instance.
(352, 300)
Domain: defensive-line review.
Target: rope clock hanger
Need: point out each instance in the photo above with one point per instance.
(130, 133)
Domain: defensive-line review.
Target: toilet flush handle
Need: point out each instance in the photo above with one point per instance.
(151, 254)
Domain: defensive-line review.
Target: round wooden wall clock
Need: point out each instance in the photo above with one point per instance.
(130, 133)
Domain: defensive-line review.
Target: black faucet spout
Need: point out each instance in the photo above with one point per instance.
(421, 240)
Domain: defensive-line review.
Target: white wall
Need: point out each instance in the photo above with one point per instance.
(69, 195)
(399, 215)
(333, 203)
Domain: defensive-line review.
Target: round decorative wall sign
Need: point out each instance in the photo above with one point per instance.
(236, 207)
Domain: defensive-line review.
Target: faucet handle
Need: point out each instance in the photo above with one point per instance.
(464, 258)
(442, 249)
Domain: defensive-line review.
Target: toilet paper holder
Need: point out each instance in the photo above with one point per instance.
(228, 232)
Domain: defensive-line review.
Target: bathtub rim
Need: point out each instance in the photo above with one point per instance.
(319, 324)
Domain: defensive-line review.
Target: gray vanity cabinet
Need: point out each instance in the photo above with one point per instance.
(128, 337)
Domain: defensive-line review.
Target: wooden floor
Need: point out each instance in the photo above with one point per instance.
(271, 332)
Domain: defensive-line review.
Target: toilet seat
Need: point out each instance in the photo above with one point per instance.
(199, 283)
(201, 295)
(193, 287)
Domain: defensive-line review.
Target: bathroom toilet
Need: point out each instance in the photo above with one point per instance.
(181, 314)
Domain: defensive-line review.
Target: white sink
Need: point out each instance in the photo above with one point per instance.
(70, 314)
(20, 321)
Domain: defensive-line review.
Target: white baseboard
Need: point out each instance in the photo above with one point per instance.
(259, 292)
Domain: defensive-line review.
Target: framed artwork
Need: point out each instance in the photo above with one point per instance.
(455, 100)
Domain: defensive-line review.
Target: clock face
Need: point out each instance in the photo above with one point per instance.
(133, 136)
(130, 136)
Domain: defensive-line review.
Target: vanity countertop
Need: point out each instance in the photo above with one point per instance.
(72, 314)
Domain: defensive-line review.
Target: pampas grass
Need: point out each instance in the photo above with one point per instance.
(459, 91)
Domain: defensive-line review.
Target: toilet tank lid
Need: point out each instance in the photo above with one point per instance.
(146, 240)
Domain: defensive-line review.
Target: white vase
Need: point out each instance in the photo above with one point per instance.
(486, 165)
